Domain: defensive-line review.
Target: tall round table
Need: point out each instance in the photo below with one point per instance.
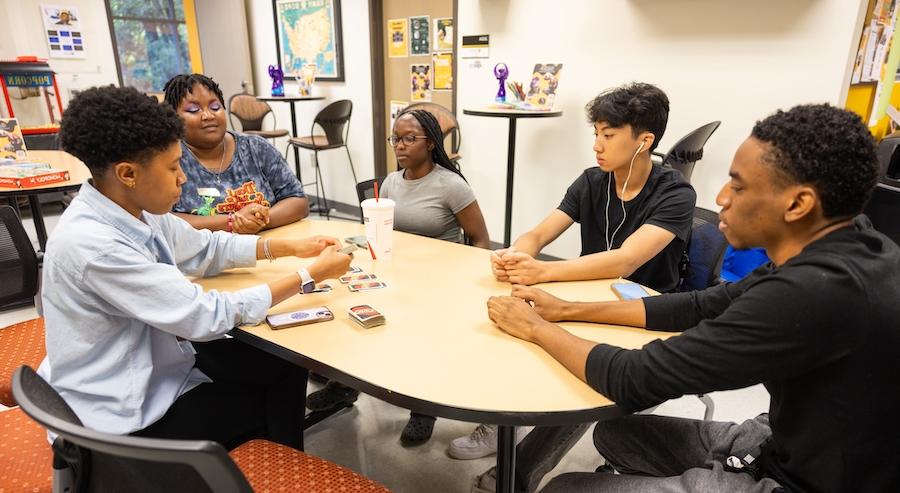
(512, 116)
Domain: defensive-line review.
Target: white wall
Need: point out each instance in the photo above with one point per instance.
(22, 29)
(727, 60)
(357, 88)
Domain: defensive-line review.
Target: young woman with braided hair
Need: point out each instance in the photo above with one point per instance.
(433, 199)
(235, 182)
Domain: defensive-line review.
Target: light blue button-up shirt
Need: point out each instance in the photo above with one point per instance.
(116, 300)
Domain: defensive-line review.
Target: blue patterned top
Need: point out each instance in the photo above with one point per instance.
(257, 173)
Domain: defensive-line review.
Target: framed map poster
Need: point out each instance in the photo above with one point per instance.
(309, 32)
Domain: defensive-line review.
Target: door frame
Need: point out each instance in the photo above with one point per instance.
(376, 43)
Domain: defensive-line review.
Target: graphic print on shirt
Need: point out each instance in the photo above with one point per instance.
(235, 200)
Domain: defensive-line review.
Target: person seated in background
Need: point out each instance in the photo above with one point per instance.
(432, 199)
(818, 327)
(120, 314)
(635, 219)
(235, 182)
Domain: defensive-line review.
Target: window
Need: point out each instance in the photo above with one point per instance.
(151, 41)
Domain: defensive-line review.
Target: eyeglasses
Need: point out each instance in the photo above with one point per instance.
(407, 139)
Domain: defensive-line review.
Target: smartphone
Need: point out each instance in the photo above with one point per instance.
(629, 291)
(300, 317)
(350, 248)
(359, 241)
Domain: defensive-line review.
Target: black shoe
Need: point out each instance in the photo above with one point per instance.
(417, 430)
(333, 395)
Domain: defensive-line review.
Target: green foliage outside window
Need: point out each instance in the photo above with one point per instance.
(151, 41)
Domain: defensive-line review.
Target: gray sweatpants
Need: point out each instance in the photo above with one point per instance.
(663, 454)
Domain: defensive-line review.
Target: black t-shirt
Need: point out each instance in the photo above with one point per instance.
(821, 331)
(666, 200)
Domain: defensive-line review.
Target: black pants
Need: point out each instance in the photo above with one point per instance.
(252, 395)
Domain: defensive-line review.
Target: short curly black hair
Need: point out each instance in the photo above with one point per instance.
(826, 147)
(106, 125)
(179, 86)
(643, 106)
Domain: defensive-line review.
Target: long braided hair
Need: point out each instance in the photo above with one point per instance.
(180, 85)
(433, 132)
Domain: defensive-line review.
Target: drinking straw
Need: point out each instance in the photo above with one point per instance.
(376, 191)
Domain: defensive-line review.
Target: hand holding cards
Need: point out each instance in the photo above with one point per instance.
(366, 316)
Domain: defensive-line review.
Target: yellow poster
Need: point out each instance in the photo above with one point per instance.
(420, 82)
(398, 38)
(443, 71)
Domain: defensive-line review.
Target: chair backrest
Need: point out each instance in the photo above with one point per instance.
(447, 120)
(18, 262)
(883, 209)
(687, 151)
(366, 190)
(705, 251)
(107, 462)
(335, 121)
(249, 111)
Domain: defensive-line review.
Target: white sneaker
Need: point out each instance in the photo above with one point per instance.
(482, 442)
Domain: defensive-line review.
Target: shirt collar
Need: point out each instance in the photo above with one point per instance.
(114, 214)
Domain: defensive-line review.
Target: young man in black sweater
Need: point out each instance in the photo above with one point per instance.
(818, 326)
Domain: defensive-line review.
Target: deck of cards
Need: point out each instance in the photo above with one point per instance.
(366, 316)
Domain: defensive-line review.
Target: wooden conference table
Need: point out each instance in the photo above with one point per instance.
(78, 174)
(438, 354)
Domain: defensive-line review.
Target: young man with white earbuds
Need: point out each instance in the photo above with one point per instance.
(635, 220)
(635, 217)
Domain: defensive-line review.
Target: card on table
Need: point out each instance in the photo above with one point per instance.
(357, 278)
(322, 288)
(366, 316)
(366, 286)
(354, 270)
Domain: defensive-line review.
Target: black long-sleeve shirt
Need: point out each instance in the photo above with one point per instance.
(821, 331)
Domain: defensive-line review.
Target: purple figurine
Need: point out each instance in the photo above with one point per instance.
(277, 76)
(501, 72)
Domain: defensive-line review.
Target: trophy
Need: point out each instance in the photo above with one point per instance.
(501, 72)
(277, 76)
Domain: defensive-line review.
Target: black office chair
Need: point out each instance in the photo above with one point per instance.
(18, 262)
(101, 462)
(705, 252)
(449, 127)
(366, 190)
(334, 120)
(251, 114)
(687, 151)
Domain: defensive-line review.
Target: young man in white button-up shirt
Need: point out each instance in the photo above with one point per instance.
(120, 313)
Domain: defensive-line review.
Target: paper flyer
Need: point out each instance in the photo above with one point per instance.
(443, 34)
(420, 82)
(443, 71)
(419, 38)
(397, 31)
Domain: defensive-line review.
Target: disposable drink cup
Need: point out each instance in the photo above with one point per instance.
(378, 216)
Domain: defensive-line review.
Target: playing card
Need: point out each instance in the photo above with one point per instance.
(322, 288)
(357, 278)
(366, 316)
(354, 270)
(364, 312)
(366, 286)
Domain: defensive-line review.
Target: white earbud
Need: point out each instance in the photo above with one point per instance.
(641, 147)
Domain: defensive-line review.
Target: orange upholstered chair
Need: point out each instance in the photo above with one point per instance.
(26, 460)
(176, 465)
(20, 344)
(271, 467)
